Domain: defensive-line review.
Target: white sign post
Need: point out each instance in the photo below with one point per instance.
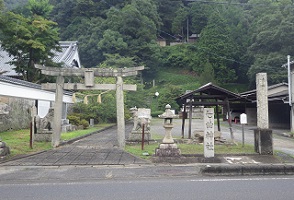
(208, 132)
(243, 120)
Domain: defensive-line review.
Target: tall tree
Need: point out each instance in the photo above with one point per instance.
(1, 5)
(179, 21)
(40, 7)
(271, 41)
(30, 40)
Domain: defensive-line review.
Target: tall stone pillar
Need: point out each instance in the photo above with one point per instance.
(57, 111)
(120, 113)
(262, 135)
(291, 92)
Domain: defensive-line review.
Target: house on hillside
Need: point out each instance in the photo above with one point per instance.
(18, 96)
(161, 41)
(193, 38)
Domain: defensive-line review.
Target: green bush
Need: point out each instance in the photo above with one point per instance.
(156, 113)
(84, 123)
(74, 119)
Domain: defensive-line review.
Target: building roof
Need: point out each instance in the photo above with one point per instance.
(210, 91)
(277, 92)
(12, 87)
(68, 55)
(22, 83)
(19, 82)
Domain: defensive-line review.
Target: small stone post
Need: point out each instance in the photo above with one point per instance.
(262, 135)
(33, 116)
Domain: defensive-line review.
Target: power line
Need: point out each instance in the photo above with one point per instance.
(229, 3)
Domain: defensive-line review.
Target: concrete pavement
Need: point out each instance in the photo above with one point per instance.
(98, 157)
(100, 148)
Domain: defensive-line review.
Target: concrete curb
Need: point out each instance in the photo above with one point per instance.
(246, 170)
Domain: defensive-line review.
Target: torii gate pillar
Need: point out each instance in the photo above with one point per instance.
(120, 113)
(57, 111)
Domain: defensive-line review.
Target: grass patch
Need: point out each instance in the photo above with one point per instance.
(136, 150)
(19, 141)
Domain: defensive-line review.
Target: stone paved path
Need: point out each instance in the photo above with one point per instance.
(97, 149)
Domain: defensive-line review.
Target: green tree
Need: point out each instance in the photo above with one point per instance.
(207, 75)
(167, 10)
(30, 40)
(271, 41)
(112, 43)
(1, 6)
(199, 14)
(40, 7)
(117, 61)
(179, 21)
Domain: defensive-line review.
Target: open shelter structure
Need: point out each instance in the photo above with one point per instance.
(208, 95)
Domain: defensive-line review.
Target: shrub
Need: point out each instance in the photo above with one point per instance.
(73, 119)
(84, 123)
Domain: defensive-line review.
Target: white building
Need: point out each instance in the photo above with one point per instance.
(18, 96)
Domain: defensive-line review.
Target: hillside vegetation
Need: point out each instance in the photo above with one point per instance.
(235, 40)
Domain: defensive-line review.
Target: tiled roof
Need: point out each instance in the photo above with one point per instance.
(69, 56)
(19, 82)
(27, 84)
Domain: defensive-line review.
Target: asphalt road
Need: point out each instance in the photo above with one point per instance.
(270, 188)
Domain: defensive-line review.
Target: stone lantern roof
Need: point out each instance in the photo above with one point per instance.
(168, 114)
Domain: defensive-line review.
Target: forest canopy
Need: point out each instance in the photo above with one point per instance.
(237, 38)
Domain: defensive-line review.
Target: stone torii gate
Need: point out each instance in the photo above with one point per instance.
(89, 84)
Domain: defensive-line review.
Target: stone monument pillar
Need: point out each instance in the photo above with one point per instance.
(263, 141)
(168, 148)
(208, 133)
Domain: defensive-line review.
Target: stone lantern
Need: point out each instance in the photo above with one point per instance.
(168, 148)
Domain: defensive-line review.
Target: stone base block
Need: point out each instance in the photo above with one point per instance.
(137, 137)
(168, 150)
(43, 137)
(263, 141)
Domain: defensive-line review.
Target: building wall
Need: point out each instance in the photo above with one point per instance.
(279, 116)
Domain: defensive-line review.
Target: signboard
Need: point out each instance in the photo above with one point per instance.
(144, 113)
(243, 118)
(208, 132)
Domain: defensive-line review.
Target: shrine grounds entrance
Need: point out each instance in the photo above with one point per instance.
(89, 75)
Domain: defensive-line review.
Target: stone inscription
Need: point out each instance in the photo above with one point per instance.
(208, 132)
